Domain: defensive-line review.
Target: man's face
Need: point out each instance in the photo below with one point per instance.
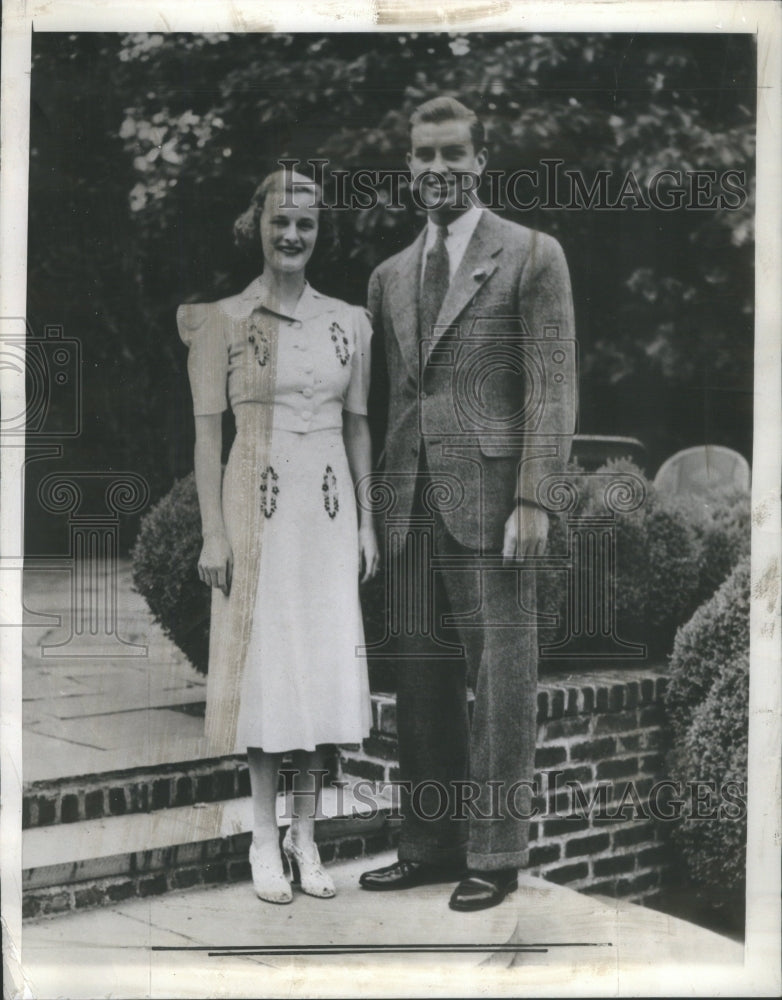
(446, 149)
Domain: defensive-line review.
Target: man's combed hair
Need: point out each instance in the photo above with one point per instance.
(447, 109)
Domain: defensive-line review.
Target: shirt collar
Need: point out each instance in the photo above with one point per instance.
(462, 226)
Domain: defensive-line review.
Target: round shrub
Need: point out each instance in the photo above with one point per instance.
(707, 701)
(165, 571)
(722, 523)
(715, 750)
(671, 572)
(631, 584)
(552, 584)
(717, 633)
(657, 555)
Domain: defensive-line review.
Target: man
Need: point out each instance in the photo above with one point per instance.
(474, 326)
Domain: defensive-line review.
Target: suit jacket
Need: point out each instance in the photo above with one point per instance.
(489, 393)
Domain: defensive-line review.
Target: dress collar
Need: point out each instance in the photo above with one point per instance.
(310, 304)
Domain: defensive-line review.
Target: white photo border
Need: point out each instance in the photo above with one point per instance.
(760, 974)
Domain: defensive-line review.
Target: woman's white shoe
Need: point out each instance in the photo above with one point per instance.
(269, 879)
(307, 869)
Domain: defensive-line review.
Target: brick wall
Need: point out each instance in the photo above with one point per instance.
(602, 730)
(138, 790)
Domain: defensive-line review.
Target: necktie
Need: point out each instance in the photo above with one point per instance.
(435, 284)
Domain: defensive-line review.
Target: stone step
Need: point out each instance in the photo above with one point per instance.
(103, 861)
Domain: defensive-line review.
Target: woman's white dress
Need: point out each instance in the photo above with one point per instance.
(303, 680)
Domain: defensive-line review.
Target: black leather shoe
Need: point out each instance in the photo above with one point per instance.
(480, 890)
(408, 875)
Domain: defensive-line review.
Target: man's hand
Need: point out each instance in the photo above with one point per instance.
(526, 533)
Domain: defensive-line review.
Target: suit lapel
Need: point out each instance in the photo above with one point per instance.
(403, 294)
(476, 267)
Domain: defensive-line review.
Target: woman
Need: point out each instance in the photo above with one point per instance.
(282, 549)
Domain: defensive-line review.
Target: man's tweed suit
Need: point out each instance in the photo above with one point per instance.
(483, 405)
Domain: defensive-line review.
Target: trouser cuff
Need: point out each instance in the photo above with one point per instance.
(431, 854)
(493, 862)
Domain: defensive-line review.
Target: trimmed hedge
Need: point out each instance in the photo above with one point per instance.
(707, 702)
(671, 553)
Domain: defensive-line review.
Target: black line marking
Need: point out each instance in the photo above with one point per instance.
(520, 950)
(231, 949)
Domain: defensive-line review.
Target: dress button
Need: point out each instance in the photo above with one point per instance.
(306, 415)
(423, 395)
(307, 392)
(309, 369)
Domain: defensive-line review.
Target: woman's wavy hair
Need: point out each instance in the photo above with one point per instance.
(247, 227)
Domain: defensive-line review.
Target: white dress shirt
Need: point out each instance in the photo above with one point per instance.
(460, 232)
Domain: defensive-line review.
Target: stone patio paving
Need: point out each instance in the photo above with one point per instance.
(89, 709)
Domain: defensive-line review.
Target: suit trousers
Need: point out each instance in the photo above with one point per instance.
(466, 786)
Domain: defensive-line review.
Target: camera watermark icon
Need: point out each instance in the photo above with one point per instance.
(501, 379)
(42, 409)
(51, 364)
(43, 419)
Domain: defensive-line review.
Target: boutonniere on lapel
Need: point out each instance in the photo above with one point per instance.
(479, 274)
(340, 340)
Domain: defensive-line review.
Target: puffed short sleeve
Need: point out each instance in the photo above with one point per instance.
(358, 387)
(207, 361)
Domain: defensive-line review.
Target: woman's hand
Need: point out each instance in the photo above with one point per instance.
(526, 533)
(358, 447)
(369, 553)
(216, 562)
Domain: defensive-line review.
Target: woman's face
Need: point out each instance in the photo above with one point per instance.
(289, 229)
